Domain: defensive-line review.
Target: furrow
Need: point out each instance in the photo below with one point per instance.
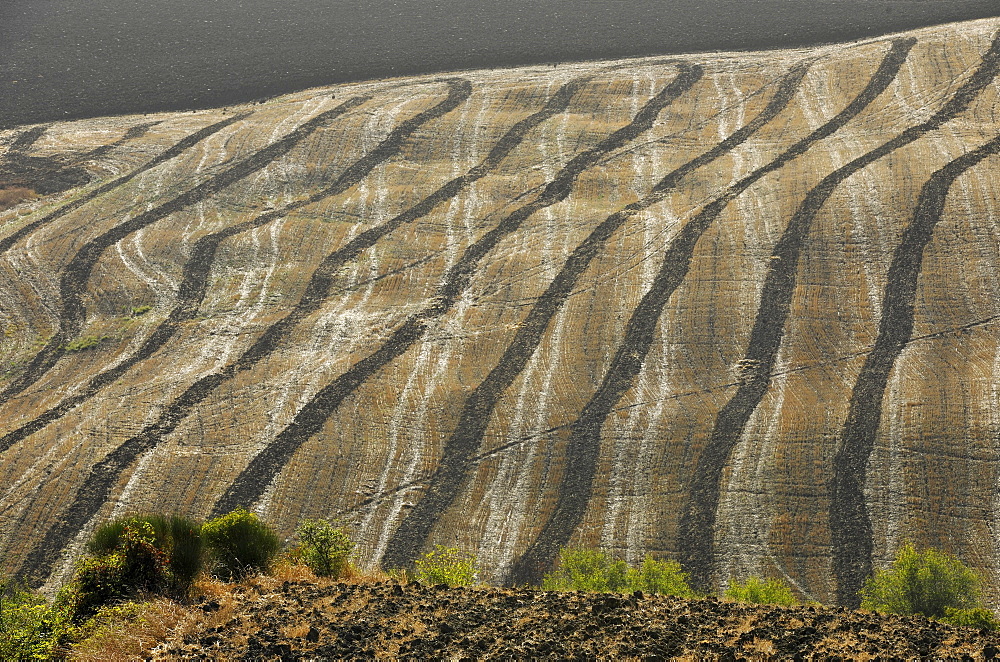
(584, 444)
(697, 528)
(265, 466)
(190, 294)
(453, 467)
(850, 522)
(174, 151)
(134, 133)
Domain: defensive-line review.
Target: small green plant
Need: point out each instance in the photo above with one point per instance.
(446, 565)
(138, 311)
(84, 343)
(30, 628)
(759, 591)
(136, 566)
(240, 544)
(325, 548)
(178, 537)
(925, 582)
(588, 570)
(597, 571)
(976, 617)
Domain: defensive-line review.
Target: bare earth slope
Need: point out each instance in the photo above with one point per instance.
(735, 309)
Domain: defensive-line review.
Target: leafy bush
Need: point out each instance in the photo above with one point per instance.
(662, 577)
(240, 544)
(928, 582)
(759, 591)
(446, 565)
(976, 617)
(176, 536)
(588, 570)
(135, 566)
(325, 548)
(596, 571)
(30, 629)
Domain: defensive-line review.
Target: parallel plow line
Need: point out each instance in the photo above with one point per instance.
(695, 537)
(99, 482)
(76, 274)
(265, 466)
(453, 467)
(850, 522)
(194, 283)
(176, 150)
(585, 437)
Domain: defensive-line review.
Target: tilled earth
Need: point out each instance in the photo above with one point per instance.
(304, 620)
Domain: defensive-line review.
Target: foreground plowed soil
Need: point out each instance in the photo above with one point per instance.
(300, 620)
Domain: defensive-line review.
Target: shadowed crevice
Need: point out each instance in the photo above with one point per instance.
(585, 433)
(696, 535)
(444, 486)
(850, 521)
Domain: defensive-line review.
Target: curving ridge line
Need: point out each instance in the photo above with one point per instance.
(99, 482)
(266, 465)
(850, 522)
(73, 281)
(444, 486)
(194, 281)
(177, 149)
(695, 537)
(585, 434)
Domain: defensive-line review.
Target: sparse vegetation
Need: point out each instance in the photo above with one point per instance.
(84, 343)
(15, 195)
(758, 591)
(597, 571)
(240, 543)
(30, 628)
(324, 548)
(446, 565)
(928, 582)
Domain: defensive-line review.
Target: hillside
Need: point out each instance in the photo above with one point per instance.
(734, 309)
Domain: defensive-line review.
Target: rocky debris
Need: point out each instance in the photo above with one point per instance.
(300, 620)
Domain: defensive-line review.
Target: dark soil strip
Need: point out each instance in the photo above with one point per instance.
(263, 468)
(100, 481)
(176, 150)
(134, 133)
(195, 278)
(850, 522)
(28, 138)
(409, 539)
(73, 281)
(585, 436)
(695, 537)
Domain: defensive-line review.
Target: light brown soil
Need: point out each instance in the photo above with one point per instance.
(386, 620)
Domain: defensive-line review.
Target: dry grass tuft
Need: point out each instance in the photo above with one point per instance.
(130, 636)
(10, 197)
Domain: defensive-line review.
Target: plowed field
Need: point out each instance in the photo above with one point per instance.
(735, 309)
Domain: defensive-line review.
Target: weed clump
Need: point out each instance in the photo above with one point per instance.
(757, 591)
(446, 565)
(240, 544)
(324, 548)
(596, 571)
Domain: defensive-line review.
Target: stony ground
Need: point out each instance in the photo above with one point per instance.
(305, 620)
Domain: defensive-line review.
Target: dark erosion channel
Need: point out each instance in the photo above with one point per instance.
(66, 60)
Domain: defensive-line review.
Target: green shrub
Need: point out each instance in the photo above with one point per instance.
(325, 548)
(84, 343)
(30, 629)
(136, 566)
(176, 536)
(759, 591)
(446, 565)
(661, 577)
(928, 582)
(596, 571)
(587, 570)
(976, 617)
(240, 544)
